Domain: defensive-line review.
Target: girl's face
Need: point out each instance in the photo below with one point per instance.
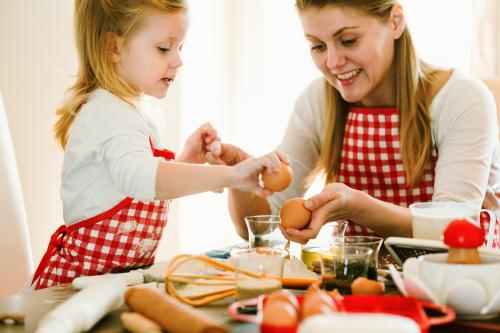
(149, 60)
(354, 52)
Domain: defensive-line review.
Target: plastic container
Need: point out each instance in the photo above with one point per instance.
(385, 304)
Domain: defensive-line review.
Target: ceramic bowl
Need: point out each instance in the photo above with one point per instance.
(468, 289)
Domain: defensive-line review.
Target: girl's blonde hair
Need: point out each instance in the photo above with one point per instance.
(95, 22)
(412, 80)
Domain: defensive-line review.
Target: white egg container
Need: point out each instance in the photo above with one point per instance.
(473, 291)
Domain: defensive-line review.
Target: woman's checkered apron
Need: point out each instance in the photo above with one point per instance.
(123, 237)
(371, 162)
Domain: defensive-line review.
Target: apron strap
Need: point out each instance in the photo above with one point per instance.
(55, 244)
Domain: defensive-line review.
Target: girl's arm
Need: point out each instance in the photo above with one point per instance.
(175, 179)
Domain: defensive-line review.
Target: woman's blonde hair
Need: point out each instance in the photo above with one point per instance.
(412, 79)
(95, 22)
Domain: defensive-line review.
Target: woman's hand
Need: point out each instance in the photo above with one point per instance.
(196, 146)
(335, 202)
(245, 175)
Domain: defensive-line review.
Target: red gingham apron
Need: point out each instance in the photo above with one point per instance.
(371, 162)
(123, 237)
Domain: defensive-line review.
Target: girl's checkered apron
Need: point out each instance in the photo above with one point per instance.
(125, 236)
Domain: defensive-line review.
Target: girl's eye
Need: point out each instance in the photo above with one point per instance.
(349, 42)
(162, 49)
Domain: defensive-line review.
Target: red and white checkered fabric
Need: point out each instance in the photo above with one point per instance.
(484, 221)
(371, 161)
(124, 237)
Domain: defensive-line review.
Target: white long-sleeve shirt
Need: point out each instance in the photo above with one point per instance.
(464, 132)
(108, 157)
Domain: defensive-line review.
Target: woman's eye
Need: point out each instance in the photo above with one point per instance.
(317, 47)
(349, 42)
(162, 49)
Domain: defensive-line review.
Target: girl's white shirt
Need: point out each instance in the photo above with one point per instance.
(464, 132)
(108, 157)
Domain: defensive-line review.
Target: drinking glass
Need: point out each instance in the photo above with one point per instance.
(258, 270)
(263, 231)
(310, 250)
(341, 265)
(372, 242)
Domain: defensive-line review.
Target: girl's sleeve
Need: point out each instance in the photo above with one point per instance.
(465, 131)
(124, 148)
(302, 142)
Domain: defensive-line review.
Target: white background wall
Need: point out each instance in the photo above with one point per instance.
(245, 63)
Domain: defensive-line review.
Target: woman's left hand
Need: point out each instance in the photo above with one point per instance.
(196, 145)
(335, 202)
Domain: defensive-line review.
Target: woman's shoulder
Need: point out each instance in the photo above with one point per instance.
(315, 90)
(463, 102)
(458, 88)
(312, 98)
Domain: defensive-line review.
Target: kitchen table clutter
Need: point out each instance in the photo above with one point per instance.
(332, 281)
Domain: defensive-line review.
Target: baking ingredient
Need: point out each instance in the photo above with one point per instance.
(279, 181)
(279, 313)
(293, 214)
(364, 286)
(463, 237)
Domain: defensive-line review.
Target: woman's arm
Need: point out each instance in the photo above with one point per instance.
(466, 137)
(340, 202)
(243, 204)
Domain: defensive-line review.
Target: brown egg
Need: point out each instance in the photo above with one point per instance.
(317, 301)
(364, 286)
(279, 313)
(279, 181)
(293, 214)
(284, 296)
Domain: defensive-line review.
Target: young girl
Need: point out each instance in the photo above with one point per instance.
(387, 129)
(116, 180)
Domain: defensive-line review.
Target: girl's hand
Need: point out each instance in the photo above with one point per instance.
(335, 202)
(224, 153)
(245, 175)
(197, 144)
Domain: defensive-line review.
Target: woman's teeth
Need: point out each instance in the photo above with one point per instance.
(348, 75)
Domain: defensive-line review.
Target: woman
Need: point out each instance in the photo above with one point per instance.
(386, 128)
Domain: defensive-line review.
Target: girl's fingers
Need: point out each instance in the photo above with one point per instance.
(212, 159)
(262, 192)
(215, 147)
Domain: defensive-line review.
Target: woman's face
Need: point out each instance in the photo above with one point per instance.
(354, 52)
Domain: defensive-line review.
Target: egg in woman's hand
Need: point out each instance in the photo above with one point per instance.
(293, 214)
(278, 181)
(279, 313)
